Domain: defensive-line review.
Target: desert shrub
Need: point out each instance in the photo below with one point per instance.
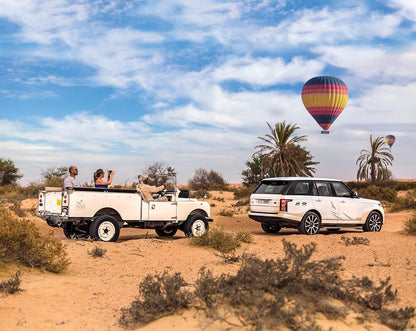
(224, 242)
(410, 225)
(200, 194)
(226, 212)
(406, 202)
(16, 208)
(285, 293)
(240, 203)
(22, 242)
(97, 251)
(260, 291)
(355, 241)
(220, 199)
(159, 295)
(11, 286)
(244, 237)
(243, 192)
(378, 193)
(207, 180)
(212, 205)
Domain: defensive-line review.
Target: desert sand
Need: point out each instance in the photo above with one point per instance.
(91, 293)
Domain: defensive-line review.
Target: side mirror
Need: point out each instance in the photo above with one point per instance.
(354, 194)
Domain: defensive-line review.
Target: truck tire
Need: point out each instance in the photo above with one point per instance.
(374, 222)
(72, 231)
(195, 226)
(168, 232)
(105, 228)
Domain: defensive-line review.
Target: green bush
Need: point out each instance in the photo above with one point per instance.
(378, 193)
(159, 296)
(22, 242)
(410, 225)
(243, 192)
(200, 194)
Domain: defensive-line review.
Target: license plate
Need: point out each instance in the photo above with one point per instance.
(264, 201)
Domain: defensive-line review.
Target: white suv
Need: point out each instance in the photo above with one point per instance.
(309, 203)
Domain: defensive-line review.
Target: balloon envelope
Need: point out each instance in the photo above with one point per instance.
(325, 97)
(390, 139)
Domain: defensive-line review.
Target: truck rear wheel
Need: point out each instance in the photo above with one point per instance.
(105, 228)
(195, 226)
(168, 232)
(76, 231)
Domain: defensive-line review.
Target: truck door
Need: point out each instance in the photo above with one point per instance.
(159, 210)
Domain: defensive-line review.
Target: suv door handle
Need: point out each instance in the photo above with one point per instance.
(318, 200)
(342, 201)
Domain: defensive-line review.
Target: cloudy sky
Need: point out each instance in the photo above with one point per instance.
(192, 83)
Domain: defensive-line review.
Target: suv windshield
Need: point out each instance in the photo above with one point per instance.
(272, 187)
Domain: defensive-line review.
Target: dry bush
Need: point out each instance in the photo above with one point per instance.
(355, 241)
(11, 286)
(285, 293)
(200, 194)
(224, 242)
(378, 193)
(406, 202)
(97, 251)
(410, 225)
(159, 295)
(243, 192)
(226, 212)
(244, 237)
(22, 242)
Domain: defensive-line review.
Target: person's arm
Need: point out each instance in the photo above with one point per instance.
(68, 184)
(99, 181)
(155, 189)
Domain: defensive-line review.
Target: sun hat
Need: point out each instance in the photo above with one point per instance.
(142, 178)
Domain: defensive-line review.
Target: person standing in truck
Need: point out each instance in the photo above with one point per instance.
(99, 181)
(146, 190)
(70, 181)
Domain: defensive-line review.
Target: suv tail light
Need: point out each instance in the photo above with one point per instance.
(283, 204)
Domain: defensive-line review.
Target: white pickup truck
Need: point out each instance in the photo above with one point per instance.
(101, 213)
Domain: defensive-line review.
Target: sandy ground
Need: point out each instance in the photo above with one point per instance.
(90, 295)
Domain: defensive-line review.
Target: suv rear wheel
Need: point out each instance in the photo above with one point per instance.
(270, 228)
(310, 224)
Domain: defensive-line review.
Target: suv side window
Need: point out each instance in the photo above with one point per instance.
(302, 188)
(341, 190)
(324, 189)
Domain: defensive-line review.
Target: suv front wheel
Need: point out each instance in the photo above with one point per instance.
(373, 223)
(310, 224)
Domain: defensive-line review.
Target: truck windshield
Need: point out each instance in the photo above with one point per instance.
(272, 187)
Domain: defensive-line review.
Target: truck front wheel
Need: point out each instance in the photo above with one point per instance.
(105, 228)
(195, 226)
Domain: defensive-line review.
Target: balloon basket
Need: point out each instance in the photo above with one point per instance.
(324, 132)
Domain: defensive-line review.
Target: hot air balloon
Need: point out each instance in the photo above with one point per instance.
(325, 98)
(390, 139)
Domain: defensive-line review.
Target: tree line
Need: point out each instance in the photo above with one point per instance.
(279, 154)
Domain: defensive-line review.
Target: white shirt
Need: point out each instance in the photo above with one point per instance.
(71, 182)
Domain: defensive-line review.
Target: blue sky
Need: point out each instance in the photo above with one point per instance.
(192, 83)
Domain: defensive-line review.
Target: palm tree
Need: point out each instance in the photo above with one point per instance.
(372, 164)
(282, 153)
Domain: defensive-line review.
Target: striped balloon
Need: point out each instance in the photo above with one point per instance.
(390, 139)
(325, 98)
